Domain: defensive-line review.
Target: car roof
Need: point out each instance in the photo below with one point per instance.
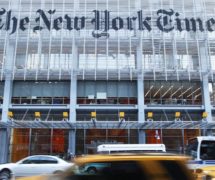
(43, 156)
(126, 157)
(204, 138)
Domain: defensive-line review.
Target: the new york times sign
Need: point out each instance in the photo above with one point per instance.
(102, 21)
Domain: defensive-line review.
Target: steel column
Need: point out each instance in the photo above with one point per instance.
(72, 141)
(140, 84)
(206, 97)
(73, 87)
(8, 81)
(141, 137)
(4, 144)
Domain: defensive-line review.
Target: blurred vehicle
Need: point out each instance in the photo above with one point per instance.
(33, 165)
(149, 166)
(208, 173)
(204, 173)
(130, 148)
(202, 150)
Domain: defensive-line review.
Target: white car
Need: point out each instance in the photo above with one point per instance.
(34, 165)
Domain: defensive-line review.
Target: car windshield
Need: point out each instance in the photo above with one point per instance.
(207, 150)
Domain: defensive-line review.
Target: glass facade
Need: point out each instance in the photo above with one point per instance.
(41, 48)
(25, 142)
(92, 138)
(55, 142)
(66, 59)
(173, 93)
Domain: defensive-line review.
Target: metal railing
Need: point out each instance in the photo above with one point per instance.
(168, 101)
(115, 100)
(40, 100)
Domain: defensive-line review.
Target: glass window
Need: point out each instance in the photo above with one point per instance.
(40, 141)
(48, 160)
(192, 148)
(175, 93)
(20, 144)
(128, 170)
(115, 169)
(32, 160)
(107, 61)
(207, 150)
(175, 170)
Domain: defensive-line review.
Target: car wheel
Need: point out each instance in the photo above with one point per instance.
(5, 175)
(91, 170)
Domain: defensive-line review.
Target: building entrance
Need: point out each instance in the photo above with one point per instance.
(91, 138)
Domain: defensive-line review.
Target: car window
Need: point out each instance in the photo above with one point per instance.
(207, 150)
(31, 160)
(126, 170)
(131, 170)
(191, 149)
(166, 170)
(93, 168)
(48, 160)
(175, 170)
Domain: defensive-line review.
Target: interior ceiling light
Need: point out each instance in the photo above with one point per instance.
(185, 91)
(149, 90)
(167, 91)
(177, 91)
(158, 91)
(196, 96)
(193, 92)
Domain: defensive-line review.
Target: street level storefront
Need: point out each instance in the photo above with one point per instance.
(25, 142)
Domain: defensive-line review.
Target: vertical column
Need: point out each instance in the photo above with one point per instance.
(73, 87)
(206, 97)
(8, 70)
(204, 58)
(7, 98)
(73, 95)
(72, 143)
(29, 141)
(140, 84)
(5, 133)
(4, 144)
(73, 100)
(140, 93)
(142, 137)
(205, 66)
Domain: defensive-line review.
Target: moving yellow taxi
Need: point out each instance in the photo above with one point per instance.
(150, 166)
(205, 173)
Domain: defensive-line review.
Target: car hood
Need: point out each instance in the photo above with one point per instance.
(208, 168)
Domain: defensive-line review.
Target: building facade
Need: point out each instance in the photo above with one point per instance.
(76, 74)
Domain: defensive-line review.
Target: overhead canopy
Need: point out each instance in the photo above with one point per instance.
(109, 125)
